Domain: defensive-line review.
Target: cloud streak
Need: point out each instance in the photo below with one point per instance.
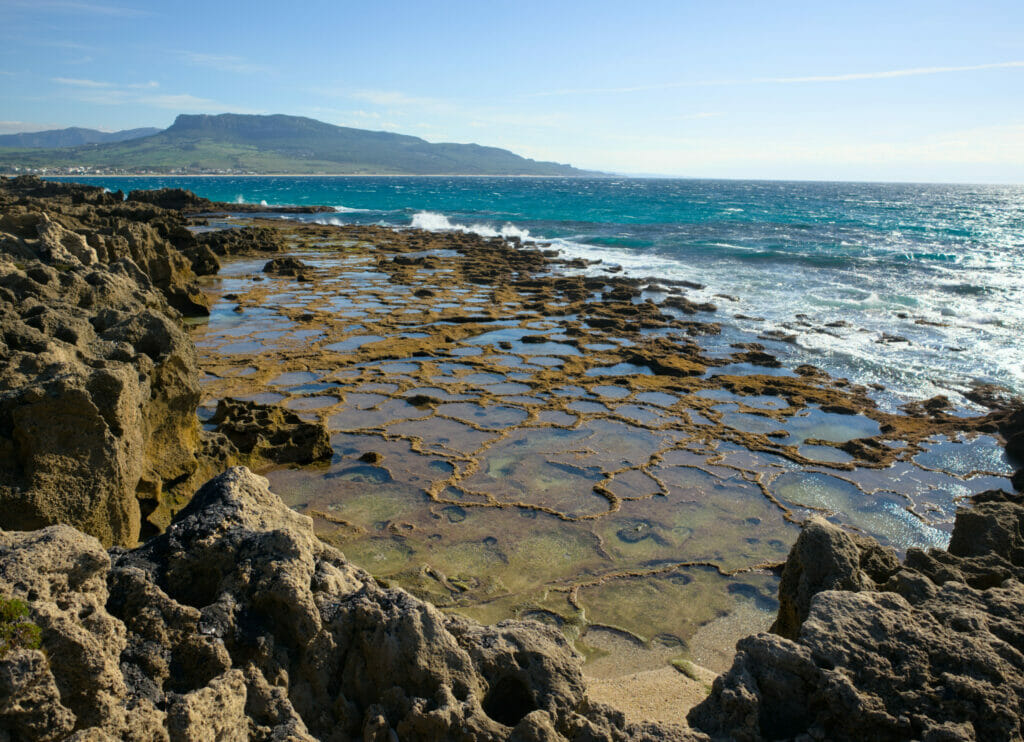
(104, 93)
(888, 74)
(78, 82)
(806, 79)
(71, 6)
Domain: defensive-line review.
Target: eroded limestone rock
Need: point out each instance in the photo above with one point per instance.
(268, 433)
(98, 386)
(935, 652)
(238, 623)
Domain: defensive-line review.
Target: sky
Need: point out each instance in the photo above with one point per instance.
(891, 91)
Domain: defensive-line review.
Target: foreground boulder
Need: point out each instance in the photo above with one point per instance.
(237, 623)
(930, 650)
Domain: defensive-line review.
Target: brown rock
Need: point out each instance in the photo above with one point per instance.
(238, 623)
(271, 433)
(935, 653)
(825, 557)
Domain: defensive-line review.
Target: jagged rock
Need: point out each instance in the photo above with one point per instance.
(935, 652)
(98, 381)
(62, 246)
(65, 224)
(171, 198)
(238, 623)
(204, 261)
(29, 698)
(61, 574)
(825, 557)
(242, 240)
(271, 433)
(98, 387)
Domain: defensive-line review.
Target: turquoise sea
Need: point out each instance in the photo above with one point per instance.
(918, 287)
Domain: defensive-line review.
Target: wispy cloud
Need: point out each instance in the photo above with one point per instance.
(844, 77)
(72, 6)
(912, 72)
(70, 45)
(78, 82)
(222, 62)
(104, 93)
(398, 105)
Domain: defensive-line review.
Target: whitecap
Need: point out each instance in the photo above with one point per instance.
(434, 222)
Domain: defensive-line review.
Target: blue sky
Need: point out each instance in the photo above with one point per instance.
(861, 91)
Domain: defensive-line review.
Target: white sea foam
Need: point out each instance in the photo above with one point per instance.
(434, 222)
(239, 199)
(263, 203)
(349, 210)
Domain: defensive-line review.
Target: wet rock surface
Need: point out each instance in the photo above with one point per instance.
(187, 202)
(238, 623)
(931, 649)
(98, 379)
(515, 439)
(285, 267)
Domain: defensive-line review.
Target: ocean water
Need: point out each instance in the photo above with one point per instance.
(917, 287)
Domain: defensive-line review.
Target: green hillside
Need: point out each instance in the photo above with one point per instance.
(280, 144)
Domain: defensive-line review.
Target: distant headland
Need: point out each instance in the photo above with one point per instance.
(238, 144)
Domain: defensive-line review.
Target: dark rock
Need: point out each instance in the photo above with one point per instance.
(172, 198)
(288, 266)
(825, 557)
(242, 240)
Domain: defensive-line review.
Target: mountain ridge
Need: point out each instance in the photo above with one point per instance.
(282, 144)
(72, 136)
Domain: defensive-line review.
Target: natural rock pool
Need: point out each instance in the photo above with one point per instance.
(514, 440)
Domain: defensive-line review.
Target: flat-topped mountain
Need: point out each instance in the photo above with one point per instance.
(283, 144)
(74, 136)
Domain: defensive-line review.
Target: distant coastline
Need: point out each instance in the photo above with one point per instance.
(318, 175)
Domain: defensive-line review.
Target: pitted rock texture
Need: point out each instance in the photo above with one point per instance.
(242, 240)
(287, 266)
(930, 650)
(36, 218)
(827, 558)
(98, 388)
(237, 623)
(98, 380)
(268, 433)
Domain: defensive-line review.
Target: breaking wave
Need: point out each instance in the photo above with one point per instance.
(434, 222)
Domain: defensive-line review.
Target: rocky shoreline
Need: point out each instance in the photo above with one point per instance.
(234, 621)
